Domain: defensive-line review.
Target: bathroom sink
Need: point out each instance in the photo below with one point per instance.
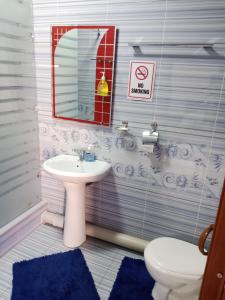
(68, 168)
(75, 174)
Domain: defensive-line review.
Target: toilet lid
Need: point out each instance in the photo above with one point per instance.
(176, 256)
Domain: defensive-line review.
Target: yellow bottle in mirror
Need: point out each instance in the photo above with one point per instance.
(102, 89)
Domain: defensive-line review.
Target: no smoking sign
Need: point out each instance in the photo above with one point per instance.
(141, 80)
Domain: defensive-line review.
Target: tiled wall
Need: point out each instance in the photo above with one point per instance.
(174, 191)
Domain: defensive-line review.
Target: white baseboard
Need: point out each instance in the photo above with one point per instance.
(19, 228)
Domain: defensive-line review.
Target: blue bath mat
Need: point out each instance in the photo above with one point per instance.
(61, 276)
(133, 282)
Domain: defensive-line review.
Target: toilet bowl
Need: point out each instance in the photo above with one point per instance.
(177, 268)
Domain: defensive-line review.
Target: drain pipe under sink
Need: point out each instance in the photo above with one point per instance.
(98, 232)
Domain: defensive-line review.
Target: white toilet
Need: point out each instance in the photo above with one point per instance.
(177, 268)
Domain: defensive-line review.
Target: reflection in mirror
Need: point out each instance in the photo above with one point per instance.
(80, 54)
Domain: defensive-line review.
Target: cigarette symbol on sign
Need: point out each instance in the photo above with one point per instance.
(141, 73)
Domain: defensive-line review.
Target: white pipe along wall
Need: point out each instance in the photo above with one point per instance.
(101, 233)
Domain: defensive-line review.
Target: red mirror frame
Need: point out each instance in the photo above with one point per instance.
(104, 62)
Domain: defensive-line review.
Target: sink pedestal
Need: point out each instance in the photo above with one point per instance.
(75, 174)
(74, 226)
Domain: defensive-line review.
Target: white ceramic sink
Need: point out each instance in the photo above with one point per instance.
(75, 174)
(68, 168)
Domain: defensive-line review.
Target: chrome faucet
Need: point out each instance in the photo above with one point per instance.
(80, 153)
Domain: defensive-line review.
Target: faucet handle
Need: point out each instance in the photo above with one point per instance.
(75, 151)
(79, 152)
(154, 126)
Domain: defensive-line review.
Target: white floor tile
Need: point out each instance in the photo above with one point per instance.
(103, 259)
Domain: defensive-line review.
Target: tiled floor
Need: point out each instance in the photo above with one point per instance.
(103, 259)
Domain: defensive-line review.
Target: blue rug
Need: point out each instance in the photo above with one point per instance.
(61, 276)
(133, 282)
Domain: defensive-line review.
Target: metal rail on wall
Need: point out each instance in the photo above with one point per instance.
(189, 45)
(209, 48)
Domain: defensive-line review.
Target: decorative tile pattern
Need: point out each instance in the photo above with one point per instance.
(174, 191)
(103, 259)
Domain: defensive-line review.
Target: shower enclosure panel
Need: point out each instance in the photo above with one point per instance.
(19, 153)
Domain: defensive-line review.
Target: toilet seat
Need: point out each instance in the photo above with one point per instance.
(176, 258)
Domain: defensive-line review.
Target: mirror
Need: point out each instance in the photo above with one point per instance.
(79, 56)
